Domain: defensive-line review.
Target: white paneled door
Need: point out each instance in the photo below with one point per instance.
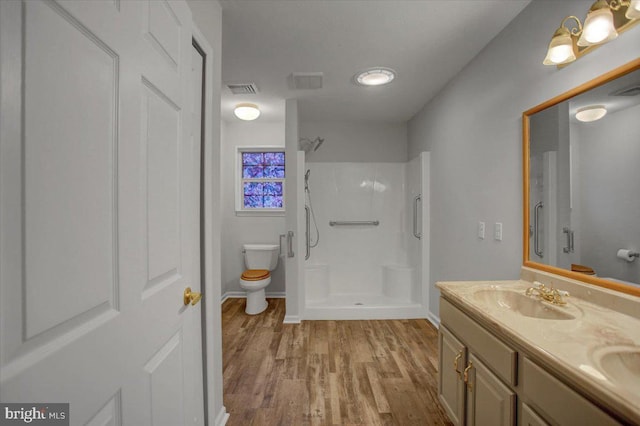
(98, 211)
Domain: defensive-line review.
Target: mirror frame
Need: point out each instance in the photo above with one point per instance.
(598, 81)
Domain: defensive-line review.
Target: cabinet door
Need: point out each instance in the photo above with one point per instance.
(453, 358)
(489, 401)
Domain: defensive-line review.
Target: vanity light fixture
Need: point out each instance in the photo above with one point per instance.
(591, 113)
(376, 76)
(561, 49)
(633, 11)
(598, 25)
(604, 21)
(246, 111)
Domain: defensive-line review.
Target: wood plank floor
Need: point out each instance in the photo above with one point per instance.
(328, 372)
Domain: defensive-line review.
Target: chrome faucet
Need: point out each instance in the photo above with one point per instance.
(549, 294)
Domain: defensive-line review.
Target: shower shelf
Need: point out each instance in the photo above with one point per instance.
(354, 222)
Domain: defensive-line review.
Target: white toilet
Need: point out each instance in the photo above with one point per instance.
(260, 259)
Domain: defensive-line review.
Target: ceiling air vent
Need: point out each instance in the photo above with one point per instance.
(628, 91)
(306, 80)
(243, 88)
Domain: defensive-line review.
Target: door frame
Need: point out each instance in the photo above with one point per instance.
(215, 411)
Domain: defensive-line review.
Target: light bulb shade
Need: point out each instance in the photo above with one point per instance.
(247, 111)
(591, 113)
(598, 26)
(560, 49)
(633, 11)
(375, 76)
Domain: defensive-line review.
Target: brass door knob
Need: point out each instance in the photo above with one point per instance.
(191, 297)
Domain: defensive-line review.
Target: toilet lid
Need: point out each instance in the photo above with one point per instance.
(255, 274)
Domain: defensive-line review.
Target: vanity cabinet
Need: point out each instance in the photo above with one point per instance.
(485, 382)
(469, 392)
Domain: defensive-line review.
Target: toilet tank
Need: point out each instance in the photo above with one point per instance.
(261, 256)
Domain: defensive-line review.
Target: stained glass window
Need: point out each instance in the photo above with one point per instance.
(262, 179)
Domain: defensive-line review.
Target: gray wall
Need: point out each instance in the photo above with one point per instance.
(609, 202)
(358, 142)
(473, 130)
(544, 130)
(239, 230)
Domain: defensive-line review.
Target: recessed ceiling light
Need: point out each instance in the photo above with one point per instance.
(247, 111)
(591, 113)
(376, 76)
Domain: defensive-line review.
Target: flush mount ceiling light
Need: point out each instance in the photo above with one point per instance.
(591, 113)
(604, 21)
(247, 111)
(375, 76)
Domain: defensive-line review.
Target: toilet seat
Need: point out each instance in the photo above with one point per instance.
(254, 281)
(255, 275)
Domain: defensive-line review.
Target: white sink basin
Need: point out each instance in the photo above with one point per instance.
(620, 364)
(519, 303)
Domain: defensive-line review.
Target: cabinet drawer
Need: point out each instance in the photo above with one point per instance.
(528, 417)
(498, 356)
(557, 401)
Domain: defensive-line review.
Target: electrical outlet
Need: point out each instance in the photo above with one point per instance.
(497, 231)
(481, 230)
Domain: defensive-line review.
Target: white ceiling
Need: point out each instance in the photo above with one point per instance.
(427, 42)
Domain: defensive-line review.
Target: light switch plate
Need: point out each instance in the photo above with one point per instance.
(481, 230)
(497, 232)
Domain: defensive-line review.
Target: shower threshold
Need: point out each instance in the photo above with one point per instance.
(363, 307)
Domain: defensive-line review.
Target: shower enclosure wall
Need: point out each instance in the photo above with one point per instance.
(372, 260)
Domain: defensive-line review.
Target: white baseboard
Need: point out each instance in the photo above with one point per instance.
(222, 417)
(243, 295)
(291, 319)
(434, 319)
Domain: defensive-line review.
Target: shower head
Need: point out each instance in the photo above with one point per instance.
(308, 145)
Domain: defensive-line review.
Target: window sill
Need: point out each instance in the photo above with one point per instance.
(261, 213)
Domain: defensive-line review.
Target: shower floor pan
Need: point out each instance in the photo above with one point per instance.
(362, 307)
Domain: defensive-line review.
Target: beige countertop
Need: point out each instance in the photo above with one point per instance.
(570, 348)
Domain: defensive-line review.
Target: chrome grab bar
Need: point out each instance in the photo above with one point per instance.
(536, 229)
(307, 232)
(569, 247)
(416, 234)
(280, 242)
(290, 244)
(353, 222)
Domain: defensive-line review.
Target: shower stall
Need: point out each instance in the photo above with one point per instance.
(367, 240)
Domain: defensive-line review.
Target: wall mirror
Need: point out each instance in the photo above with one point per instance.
(581, 179)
